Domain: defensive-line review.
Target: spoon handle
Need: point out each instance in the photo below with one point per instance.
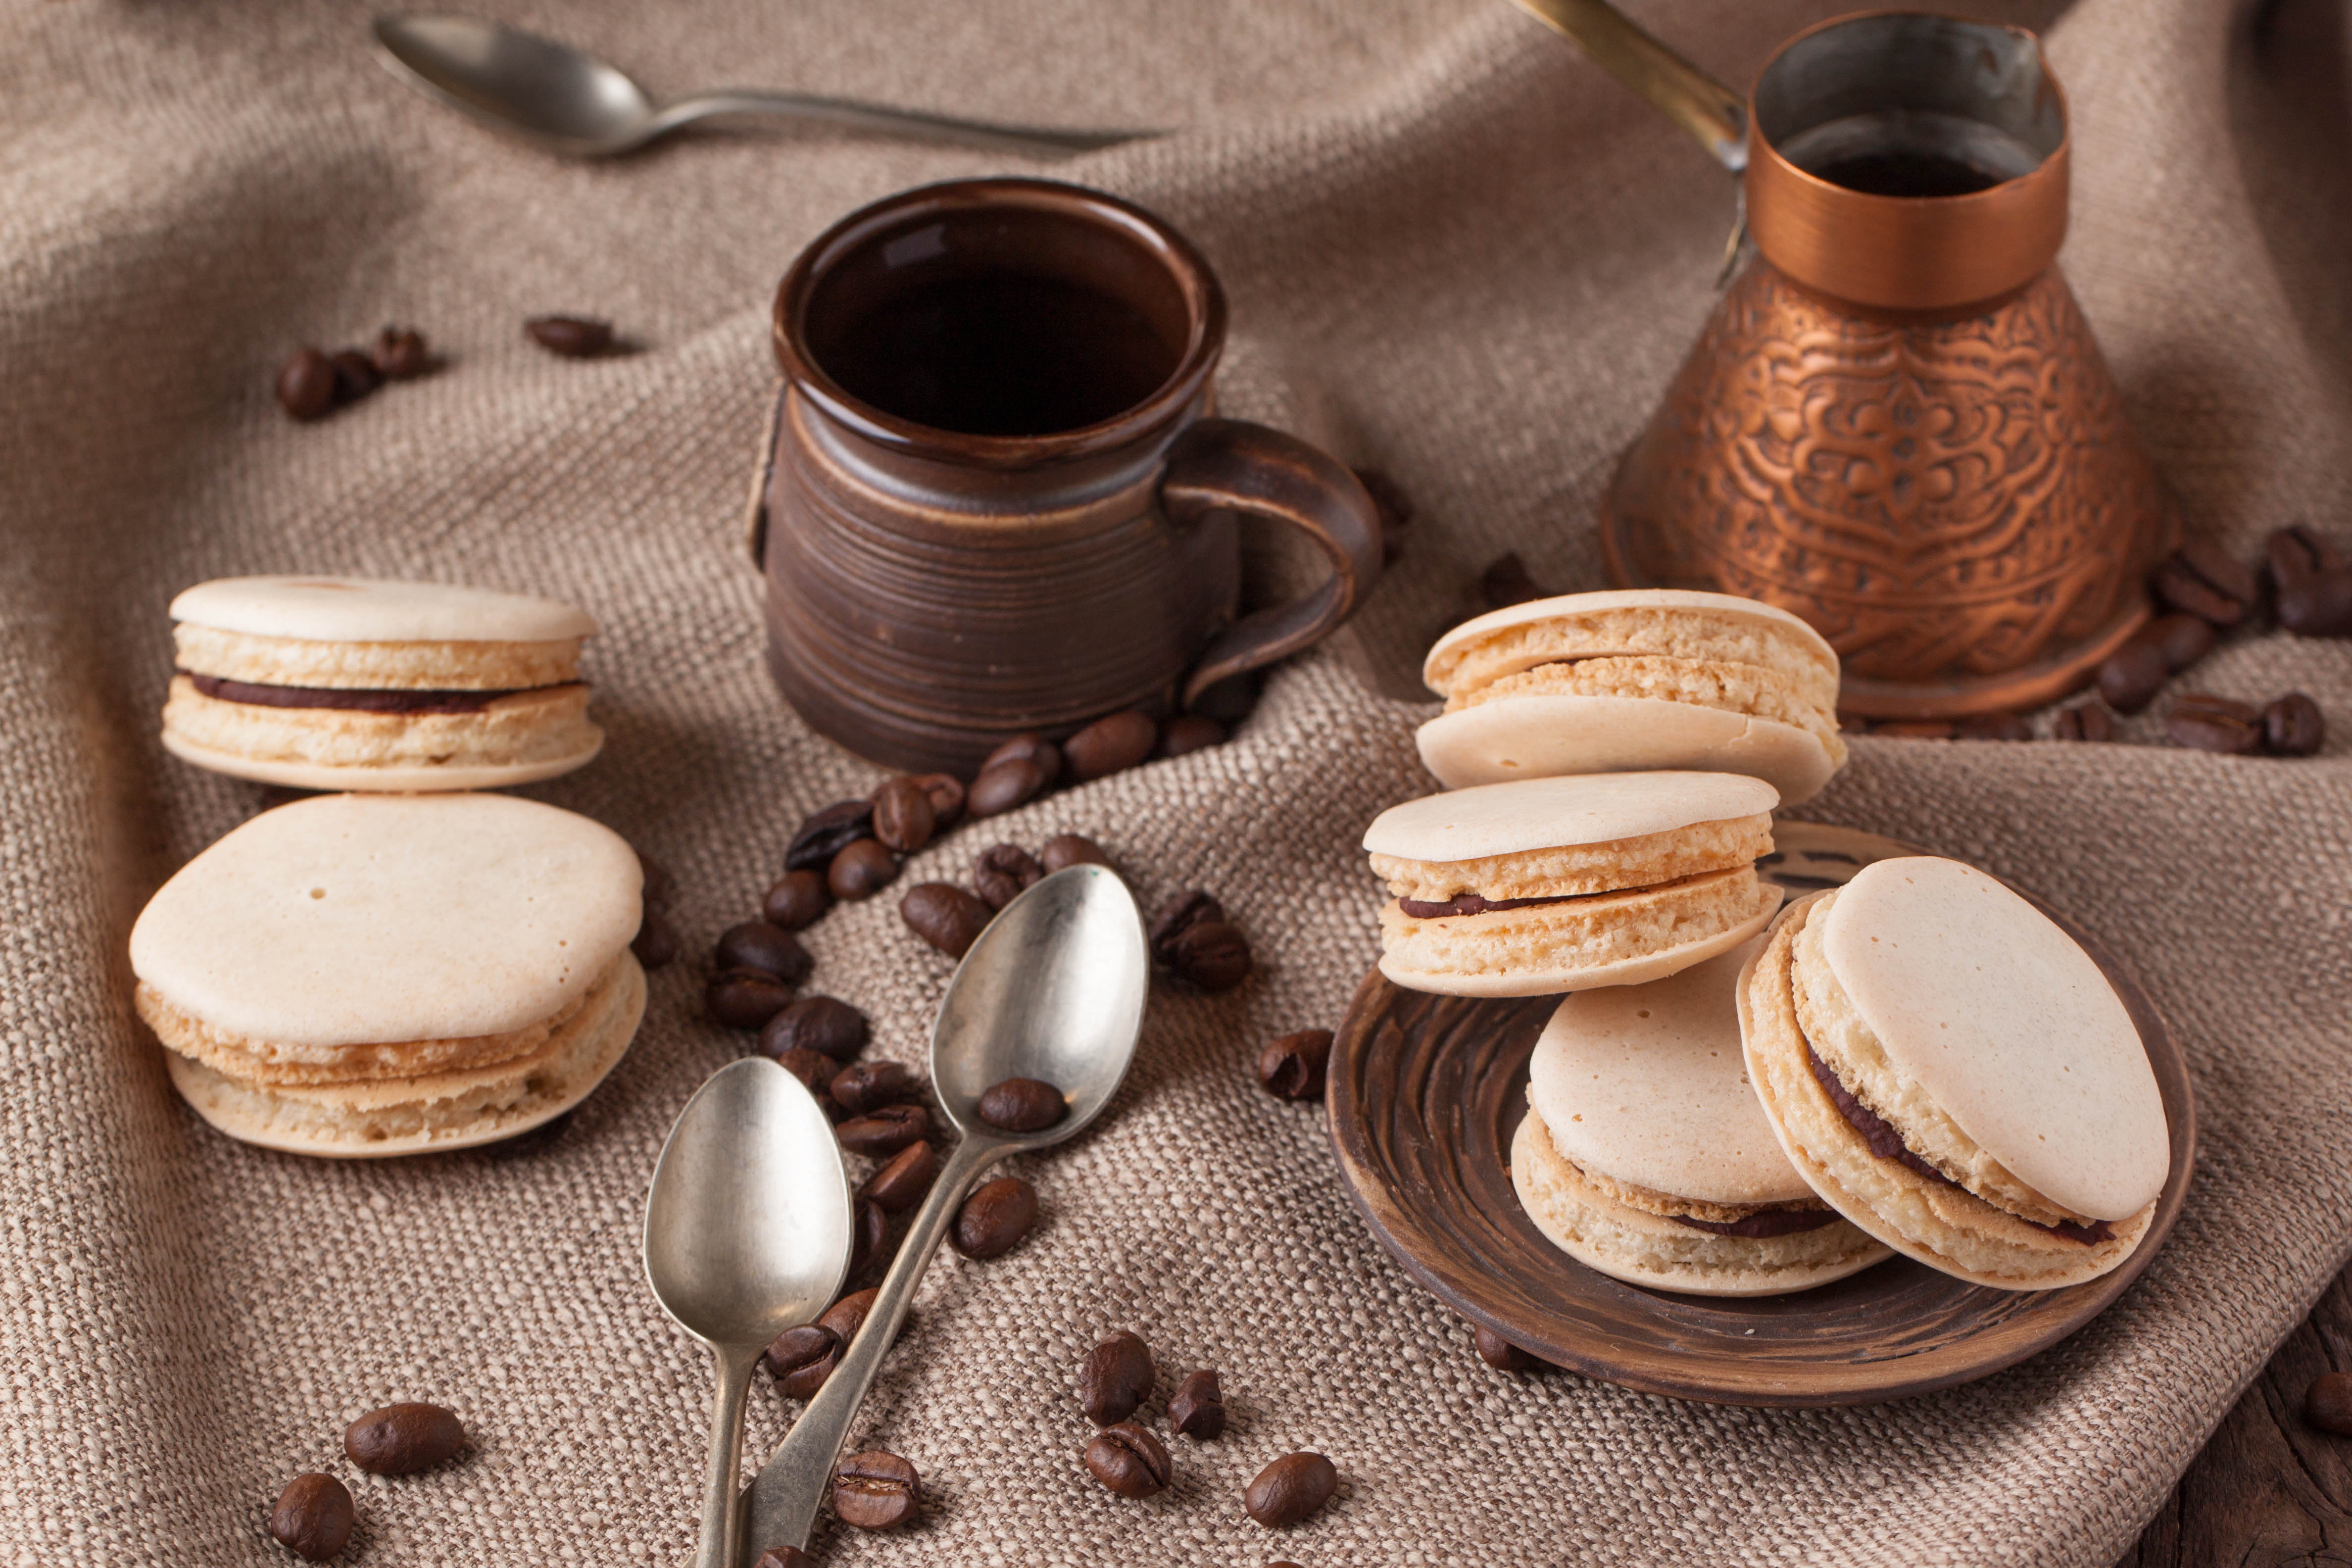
(722, 1518)
(1025, 141)
(780, 1506)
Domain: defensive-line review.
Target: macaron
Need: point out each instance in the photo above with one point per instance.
(1634, 679)
(1644, 1156)
(361, 975)
(349, 683)
(1952, 1072)
(1562, 884)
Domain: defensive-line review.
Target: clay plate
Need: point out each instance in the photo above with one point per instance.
(1426, 1090)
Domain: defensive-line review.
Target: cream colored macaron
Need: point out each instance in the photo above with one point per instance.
(349, 683)
(1633, 679)
(1562, 884)
(362, 975)
(1952, 1073)
(1643, 1154)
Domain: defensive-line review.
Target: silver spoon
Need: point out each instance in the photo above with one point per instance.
(572, 102)
(1053, 989)
(747, 1235)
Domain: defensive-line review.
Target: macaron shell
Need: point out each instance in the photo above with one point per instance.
(1648, 1084)
(380, 779)
(366, 609)
(1543, 814)
(1545, 736)
(1727, 606)
(2009, 1026)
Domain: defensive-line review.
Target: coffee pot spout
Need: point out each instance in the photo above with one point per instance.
(1693, 100)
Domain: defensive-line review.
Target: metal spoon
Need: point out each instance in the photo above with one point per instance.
(747, 1234)
(1053, 989)
(572, 102)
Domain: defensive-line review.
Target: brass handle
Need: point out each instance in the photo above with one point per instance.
(1690, 98)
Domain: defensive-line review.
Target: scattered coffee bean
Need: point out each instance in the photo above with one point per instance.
(2132, 675)
(1231, 700)
(1001, 788)
(1213, 955)
(1110, 745)
(1292, 1068)
(825, 1024)
(355, 375)
(401, 1439)
(306, 384)
(1500, 1352)
(1290, 1488)
(1189, 733)
(863, 1086)
(861, 870)
(2182, 639)
(1117, 1379)
(847, 1316)
(1030, 747)
(2313, 585)
(1070, 850)
(1197, 1409)
(900, 1184)
(945, 915)
(313, 1516)
(1992, 727)
(826, 834)
(771, 950)
(802, 1358)
(574, 337)
(2327, 1405)
(993, 1221)
(744, 998)
(1003, 874)
(1178, 914)
(1915, 729)
(877, 1490)
(1022, 1105)
(2208, 723)
(785, 1557)
(2084, 722)
(1286, 1562)
(399, 353)
(946, 791)
(2293, 726)
(869, 1238)
(885, 1129)
(1128, 1459)
(903, 817)
(1506, 581)
(655, 942)
(798, 901)
(814, 1069)
(654, 881)
(2201, 579)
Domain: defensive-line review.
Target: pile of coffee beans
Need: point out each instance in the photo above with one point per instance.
(314, 1515)
(314, 382)
(951, 917)
(571, 337)
(2289, 726)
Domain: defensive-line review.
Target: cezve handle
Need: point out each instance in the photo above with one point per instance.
(1689, 97)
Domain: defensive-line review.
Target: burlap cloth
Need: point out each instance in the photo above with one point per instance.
(1454, 251)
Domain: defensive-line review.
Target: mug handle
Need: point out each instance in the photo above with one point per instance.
(1263, 472)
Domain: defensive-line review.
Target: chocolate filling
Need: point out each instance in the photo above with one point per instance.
(1760, 1226)
(1472, 904)
(356, 701)
(1887, 1144)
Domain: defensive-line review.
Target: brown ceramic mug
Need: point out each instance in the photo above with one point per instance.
(995, 500)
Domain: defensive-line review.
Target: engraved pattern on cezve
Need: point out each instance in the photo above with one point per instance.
(1941, 499)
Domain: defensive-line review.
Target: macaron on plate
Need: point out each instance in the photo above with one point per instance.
(1654, 1183)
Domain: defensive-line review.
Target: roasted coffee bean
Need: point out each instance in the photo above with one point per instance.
(2203, 580)
(827, 833)
(1128, 1459)
(401, 1439)
(1213, 955)
(2313, 585)
(946, 791)
(2182, 639)
(1500, 1352)
(903, 817)
(744, 998)
(993, 1221)
(1029, 747)
(1117, 1379)
(885, 1129)
(1292, 1068)
(655, 881)
(306, 384)
(1290, 1488)
(1110, 745)
(861, 870)
(2208, 723)
(313, 1516)
(1070, 850)
(802, 1358)
(1506, 581)
(878, 1490)
(798, 901)
(900, 1184)
(847, 1316)
(2132, 675)
(399, 354)
(826, 1024)
(2084, 722)
(1001, 788)
(2293, 726)
(1178, 914)
(869, 1238)
(863, 1086)
(1231, 700)
(574, 337)
(814, 1069)
(1003, 874)
(771, 950)
(1916, 729)
(1992, 727)
(1189, 733)
(785, 1557)
(1197, 1409)
(1022, 1105)
(2327, 1405)
(355, 375)
(945, 915)
(655, 942)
